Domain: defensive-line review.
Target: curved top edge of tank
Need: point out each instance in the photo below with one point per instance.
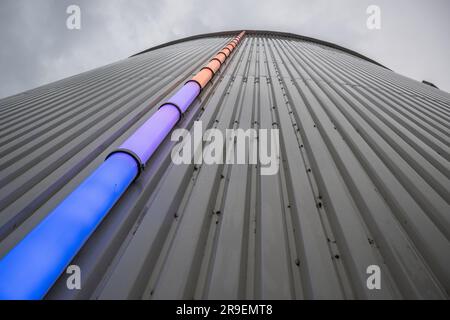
(262, 32)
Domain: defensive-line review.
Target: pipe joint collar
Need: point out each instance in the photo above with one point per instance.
(140, 165)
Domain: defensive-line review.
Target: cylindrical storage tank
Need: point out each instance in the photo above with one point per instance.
(356, 196)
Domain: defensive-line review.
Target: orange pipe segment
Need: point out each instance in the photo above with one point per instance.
(225, 52)
(207, 72)
(229, 51)
(203, 77)
(221, 56)
(214, 65)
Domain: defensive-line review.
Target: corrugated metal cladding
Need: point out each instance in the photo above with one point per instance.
(364, 176)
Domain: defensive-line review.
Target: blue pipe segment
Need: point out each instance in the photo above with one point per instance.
(30, 269)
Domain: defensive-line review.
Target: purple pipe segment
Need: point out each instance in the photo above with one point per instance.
(146, 139)
(184, 97)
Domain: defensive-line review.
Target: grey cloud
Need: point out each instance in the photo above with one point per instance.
(37, 48)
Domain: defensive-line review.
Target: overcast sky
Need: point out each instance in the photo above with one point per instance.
(37, 48)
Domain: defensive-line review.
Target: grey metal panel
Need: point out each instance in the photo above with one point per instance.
(364, 176)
